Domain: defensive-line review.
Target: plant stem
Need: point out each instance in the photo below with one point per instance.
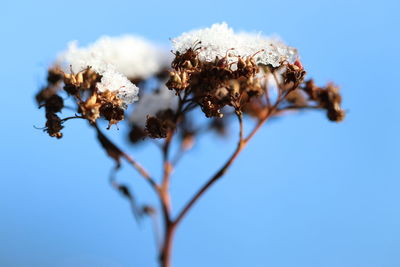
(112, 148)
(241, 144)
(162, 189)
(166, 253)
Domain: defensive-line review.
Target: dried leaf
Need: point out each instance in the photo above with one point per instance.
(112, 150)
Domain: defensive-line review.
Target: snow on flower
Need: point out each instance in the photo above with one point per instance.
(219, 38)
(116, 59)
(116, 82)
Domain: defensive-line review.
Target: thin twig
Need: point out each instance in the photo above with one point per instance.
(241, 129)
(298, 108)
(178, 156)
(72, 117)
(139, 168)
(169, 226)
(156, 230)
(241, 144)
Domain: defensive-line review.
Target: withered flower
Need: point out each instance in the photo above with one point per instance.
(297, 98)
(293, 75)
(53, 125)
(188, 59)
(211, 106)
(214, 60)
(99, 76)
(136, 134)
(111, 112)
(54, 76)
(90, 108)
(54, 104)
(161, 124)
(108, 92)
(327, 98)
(178, 79)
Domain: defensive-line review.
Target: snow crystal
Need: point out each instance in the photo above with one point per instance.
(132, 56)
(219, 38)
(111, 79)
(153, 102)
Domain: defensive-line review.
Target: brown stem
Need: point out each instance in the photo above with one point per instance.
(169, 228)
(161, 191)
(166, 252)
(72, 117)
(241, 144)
(139, 168)
(296, 108)
(166, 164)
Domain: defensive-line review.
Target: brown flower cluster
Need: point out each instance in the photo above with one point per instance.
(159, 125)
(215, 84)
(91, 103)
(233, 84)
(47, 97)
(327, 98)
(219, 88)
(243, 85)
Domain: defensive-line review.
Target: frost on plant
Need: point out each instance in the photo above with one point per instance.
(116, 82)
(219, 39)
(100, 78)
(214, 77)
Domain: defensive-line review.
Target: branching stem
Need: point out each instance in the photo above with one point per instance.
(162, 189)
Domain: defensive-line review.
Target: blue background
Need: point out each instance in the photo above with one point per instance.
(305, 192)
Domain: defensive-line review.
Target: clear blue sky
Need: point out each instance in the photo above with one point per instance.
(305, 193)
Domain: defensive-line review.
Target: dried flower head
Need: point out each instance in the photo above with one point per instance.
(110, 92)
(97, 86)
(327, 98)
(53, 125)
(222, 68)
(161, 124)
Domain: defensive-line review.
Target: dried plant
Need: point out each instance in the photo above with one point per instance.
(215, 71)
